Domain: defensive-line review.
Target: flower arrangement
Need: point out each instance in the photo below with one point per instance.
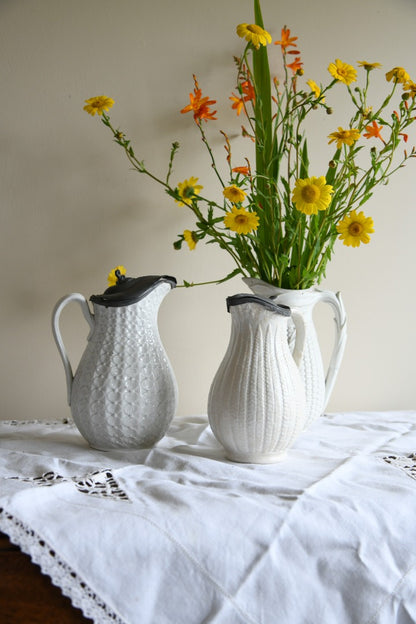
(278, 222)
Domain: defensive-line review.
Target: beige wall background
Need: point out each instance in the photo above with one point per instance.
(71, 209)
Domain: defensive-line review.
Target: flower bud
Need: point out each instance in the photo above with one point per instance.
(332, 164)
(329, 110)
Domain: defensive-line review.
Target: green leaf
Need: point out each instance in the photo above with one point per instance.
(332, 171)
(286, 186)
(229, 276)
(304, 161)
(263, 106)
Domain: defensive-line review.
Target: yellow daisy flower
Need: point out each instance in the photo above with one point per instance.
(355, 228)
(368, 66)
(241, 221)
(367, 112)
(254, 34)
(234, 194)
(187, 190)
(343, 72)
(190, 238)
(411, 87)
(115, 274)
(398, 74)
(98, 104)
(344, 137)
(311, 195)
(315, 90)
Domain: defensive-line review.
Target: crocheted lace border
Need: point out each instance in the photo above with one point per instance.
(70, 583)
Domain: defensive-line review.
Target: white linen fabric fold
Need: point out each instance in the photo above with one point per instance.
(179, 535)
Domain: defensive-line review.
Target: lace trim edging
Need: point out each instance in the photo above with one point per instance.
(18, 423)
(71, 585)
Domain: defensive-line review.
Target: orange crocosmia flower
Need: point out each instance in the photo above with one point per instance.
(248, 91)
(296, 65)
(404, 135)
(286, 40)
(247, 95)
(373, 131)
(199, 105)
(243, 170)
(238, 103)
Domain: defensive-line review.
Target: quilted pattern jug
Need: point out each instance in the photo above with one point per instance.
(124, 393)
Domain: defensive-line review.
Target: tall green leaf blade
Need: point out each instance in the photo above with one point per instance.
(304, 161)
(263, 105)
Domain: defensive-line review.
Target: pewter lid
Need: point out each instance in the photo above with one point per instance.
(267, 303)
(130, 290)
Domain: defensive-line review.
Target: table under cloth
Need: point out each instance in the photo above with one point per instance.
(177, 534)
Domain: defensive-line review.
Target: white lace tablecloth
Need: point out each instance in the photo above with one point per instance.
(179, 535)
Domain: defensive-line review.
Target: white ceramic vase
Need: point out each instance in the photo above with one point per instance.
(256, 403)
(124, 393)
(318, 384)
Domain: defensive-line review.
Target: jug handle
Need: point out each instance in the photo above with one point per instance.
(57, 333)
(300, 337)
(340, 319)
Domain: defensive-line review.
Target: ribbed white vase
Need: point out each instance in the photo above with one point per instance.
(318, 384)
(256, 403)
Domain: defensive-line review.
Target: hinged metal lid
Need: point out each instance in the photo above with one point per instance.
(129, 290)
(267, 303)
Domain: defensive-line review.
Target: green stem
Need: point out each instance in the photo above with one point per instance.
(213, 164)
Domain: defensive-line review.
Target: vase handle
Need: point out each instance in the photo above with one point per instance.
(340, 319)
(89, 317)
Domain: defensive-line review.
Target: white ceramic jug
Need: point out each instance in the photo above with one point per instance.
(318, 383)
(124, 393)
(256, 403)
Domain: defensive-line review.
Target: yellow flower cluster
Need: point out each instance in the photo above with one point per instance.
(398, 74)
(311, 195)
(254, 34)
(343, 72)
(115, 274)
(344, 137)
(188, 190)
(190, 238)
(98, 104)
(355, 229)
(241, 221)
